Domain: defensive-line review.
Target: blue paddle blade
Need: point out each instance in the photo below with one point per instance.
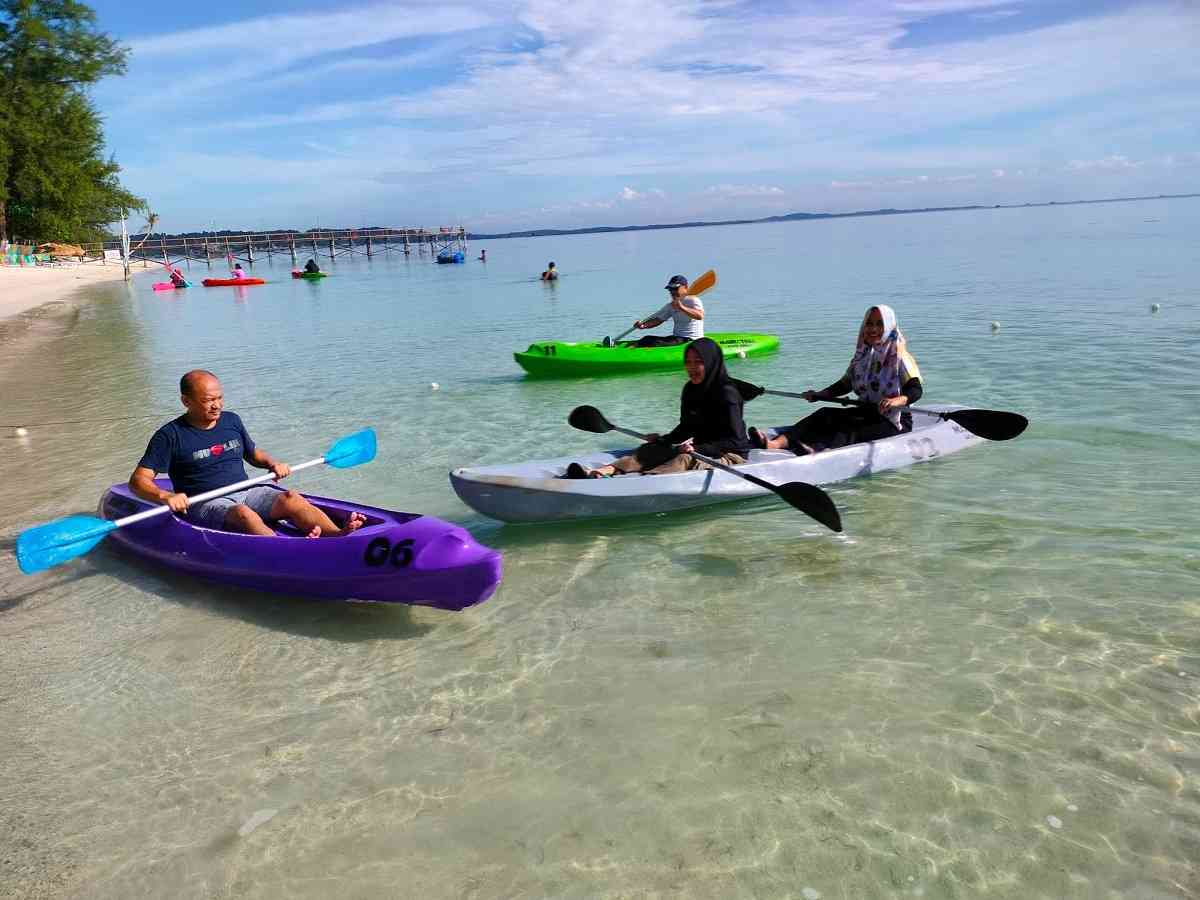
(352, 450)
(55, 542)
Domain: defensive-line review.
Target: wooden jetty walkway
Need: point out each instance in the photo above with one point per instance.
(328, 243)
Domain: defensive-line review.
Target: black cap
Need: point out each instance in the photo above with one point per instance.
(677, 281)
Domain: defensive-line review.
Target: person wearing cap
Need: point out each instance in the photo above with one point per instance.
(685, 312)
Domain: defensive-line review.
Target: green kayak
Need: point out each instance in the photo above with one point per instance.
(566, 359)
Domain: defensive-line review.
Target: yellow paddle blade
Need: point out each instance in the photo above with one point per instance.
(702, 283)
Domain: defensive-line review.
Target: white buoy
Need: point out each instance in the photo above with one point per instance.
(21, 432)
(433, 385)
(1154, 307)
(995, 326)
(741, 354)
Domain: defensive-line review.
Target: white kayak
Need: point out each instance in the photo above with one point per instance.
(535, 491)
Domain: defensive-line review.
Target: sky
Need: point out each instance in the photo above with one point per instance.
(522, 114)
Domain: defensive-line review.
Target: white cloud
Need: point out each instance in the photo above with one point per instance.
(629, 195)
(739, 191)
(1106, 164)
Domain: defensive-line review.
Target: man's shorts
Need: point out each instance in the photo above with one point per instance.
(211, 513)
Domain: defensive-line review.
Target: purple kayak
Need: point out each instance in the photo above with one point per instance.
(395, 557)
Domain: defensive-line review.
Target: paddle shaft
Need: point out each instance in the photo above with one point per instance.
(715, 463)
(846, 401)
(213, 494)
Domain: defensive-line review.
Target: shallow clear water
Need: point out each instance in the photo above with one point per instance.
(991, 683)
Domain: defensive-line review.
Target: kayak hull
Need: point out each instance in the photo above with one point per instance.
(565, 359)
(231, 282)
(395, 558)
(309, 275)
(169, 286)
(531, 492)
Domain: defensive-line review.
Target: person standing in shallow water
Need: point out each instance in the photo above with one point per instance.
(710, 422)
(881, 371)
(203, 450)
(551, 273)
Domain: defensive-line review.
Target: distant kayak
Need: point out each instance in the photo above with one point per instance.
(296, 273)
(230, 282)
(169, 286)
(395, 557)
(565, 359)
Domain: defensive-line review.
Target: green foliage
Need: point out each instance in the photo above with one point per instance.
(55, 183)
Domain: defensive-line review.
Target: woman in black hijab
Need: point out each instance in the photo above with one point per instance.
(710, 422)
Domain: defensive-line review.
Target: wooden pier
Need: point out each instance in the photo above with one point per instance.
(327, 243)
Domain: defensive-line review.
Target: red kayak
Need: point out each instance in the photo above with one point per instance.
(230, 282)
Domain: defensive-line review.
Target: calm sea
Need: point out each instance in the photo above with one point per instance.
(990, 685)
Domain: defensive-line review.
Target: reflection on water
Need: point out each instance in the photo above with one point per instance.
(990, 684)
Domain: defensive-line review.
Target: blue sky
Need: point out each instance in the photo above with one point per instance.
(567, 113)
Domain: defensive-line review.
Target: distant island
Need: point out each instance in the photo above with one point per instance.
(804, 216)
(362, 230)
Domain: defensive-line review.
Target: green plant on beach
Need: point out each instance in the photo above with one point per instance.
(55, 182)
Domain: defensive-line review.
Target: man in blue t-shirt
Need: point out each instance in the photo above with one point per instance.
(203, 450)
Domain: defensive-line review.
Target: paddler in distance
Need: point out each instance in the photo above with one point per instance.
(685, 312)
(203, 450)
(238, 272)
(551, 273)
(311, 266)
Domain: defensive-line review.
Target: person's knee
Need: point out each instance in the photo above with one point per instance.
(240, 517)
(287, 503)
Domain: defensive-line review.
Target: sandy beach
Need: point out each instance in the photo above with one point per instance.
(26, 287)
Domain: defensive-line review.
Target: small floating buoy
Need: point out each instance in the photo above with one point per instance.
(741, 354)
(1154, 307)
(433, 385)
(995, 326)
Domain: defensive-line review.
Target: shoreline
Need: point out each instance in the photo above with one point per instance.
(25, 288)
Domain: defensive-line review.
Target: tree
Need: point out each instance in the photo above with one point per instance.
(54, 179)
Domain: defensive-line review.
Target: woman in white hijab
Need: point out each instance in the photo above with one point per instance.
(881, 371)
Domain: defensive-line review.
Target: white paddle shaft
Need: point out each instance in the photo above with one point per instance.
(215, 492)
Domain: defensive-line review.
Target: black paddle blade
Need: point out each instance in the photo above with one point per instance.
(991, 424)
(588, 418)
(814, 502)
(747, 390)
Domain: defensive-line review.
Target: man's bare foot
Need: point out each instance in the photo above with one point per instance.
(356, 521)
(315, 533)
